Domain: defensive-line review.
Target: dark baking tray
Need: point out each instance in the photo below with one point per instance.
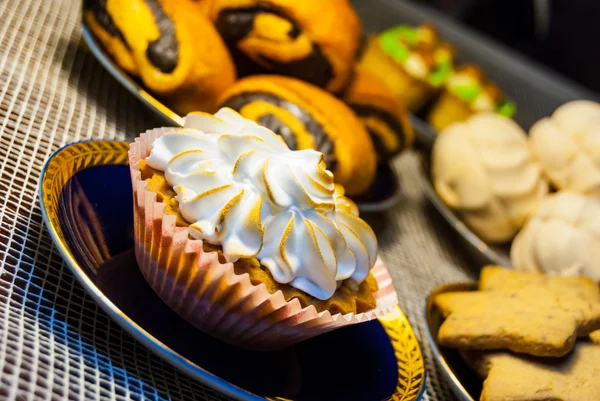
(536, 89)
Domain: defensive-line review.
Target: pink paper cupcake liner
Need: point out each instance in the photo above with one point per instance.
(208, 293)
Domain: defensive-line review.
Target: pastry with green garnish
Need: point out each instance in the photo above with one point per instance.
(412, 61)
(468, 92)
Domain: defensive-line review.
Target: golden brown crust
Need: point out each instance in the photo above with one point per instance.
(519, 378)
(476, 361)
(451, 108)
(448, 109)
(355, 159)
(348, 298)
(113, 45)
(408, 90)
(385, 118)
(189, 70)
(535, 319)
(332, 26)
(499, 278)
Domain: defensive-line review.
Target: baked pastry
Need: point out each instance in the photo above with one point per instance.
(465, 93)
(384, 117)
(516, 377)
(413, 62)
(249, 241)
(493, 278)
(562, 237)
(169, 44)
(567, 144)
(307, 117)
(534, 320)
(315, 41)
(483, 169)
(528, 314)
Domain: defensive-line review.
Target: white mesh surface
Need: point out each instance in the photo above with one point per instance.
(55, 343)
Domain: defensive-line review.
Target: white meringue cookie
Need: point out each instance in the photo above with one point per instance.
(561, 238)
(567, 144)
(241, 187)
(483, 168)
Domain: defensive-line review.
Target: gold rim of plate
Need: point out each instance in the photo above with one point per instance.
(432, 331)
(73, 158)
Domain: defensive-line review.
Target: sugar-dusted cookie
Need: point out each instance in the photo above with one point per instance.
(483, 169)
(520, 378)
(566, 145)
(561, 237)
(500, 278)
(534, 320)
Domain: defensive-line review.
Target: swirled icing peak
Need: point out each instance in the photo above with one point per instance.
(241, 187)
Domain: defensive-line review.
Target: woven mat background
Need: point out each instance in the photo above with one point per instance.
(55, 343)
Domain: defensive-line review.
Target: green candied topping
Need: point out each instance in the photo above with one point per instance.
(404, 33)
(395, 49)
(441, 74)
(443, 57)
(507, 109)
(467, 92)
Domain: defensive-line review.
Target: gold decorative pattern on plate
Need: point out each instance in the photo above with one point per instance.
(411, 368)
(434, 319)
(69, 161)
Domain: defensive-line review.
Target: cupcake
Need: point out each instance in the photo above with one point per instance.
(466, 93)
(561, 238)
(483, 169)
(567, 144)
(413, 62)
(384, 117)
(170, 45)
(249, 241)
(307, 117)
(312, 40)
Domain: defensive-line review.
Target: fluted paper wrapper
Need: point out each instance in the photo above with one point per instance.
(208, 293)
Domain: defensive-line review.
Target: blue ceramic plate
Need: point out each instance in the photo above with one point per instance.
(86, 199)
(383, 194)
(465, 383)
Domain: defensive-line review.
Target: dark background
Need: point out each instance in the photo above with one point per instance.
(563, 34)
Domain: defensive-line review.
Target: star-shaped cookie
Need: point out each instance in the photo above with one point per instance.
(500, 278)
(510, 377)
(533, 319)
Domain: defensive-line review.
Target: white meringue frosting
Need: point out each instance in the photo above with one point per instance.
(561, 238)
(240, 186)
(483, 168)
(568, 146)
